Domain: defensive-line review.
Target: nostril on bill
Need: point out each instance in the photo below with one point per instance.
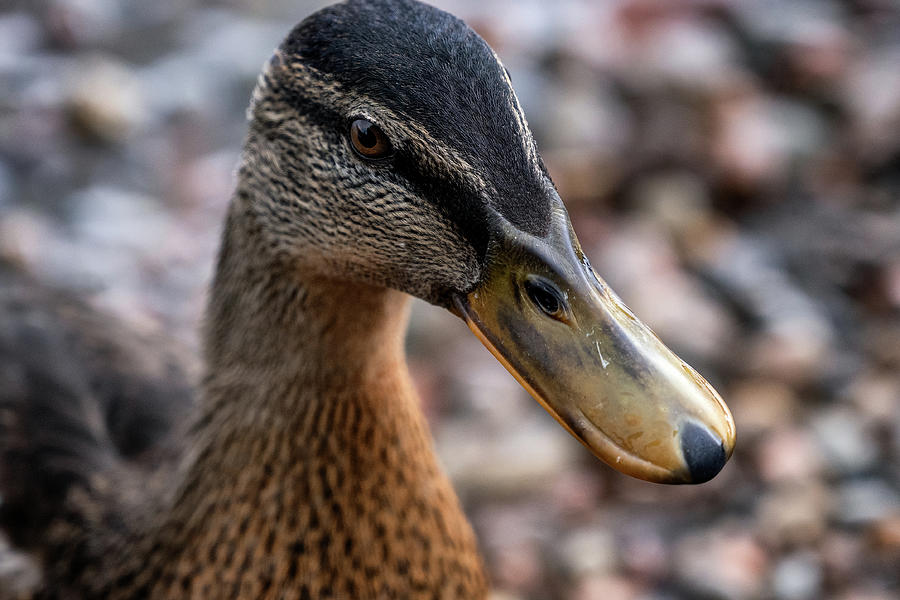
(703, 452)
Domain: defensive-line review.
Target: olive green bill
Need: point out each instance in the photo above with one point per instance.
(581, 353)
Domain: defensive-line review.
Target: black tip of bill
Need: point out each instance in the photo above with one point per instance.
(704, 452)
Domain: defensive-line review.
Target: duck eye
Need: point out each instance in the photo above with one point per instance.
(369, 140)
(546, 297)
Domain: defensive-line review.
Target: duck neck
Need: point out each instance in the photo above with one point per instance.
(273, 316)
(284, 343)
(310, 444)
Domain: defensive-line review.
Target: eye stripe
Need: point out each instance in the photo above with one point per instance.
(436, 173)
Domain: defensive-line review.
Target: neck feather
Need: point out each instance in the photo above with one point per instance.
(311, 446)
(285, 345)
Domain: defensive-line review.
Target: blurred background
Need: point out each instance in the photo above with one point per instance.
(732, 169)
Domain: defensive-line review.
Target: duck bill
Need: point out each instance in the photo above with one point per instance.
(593, 365)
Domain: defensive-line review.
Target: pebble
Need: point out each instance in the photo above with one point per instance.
(749, 143)
(847, 445)
(607, 587)
(589, 551)
(84, 23)
(725, 562)
(6, 187)
(885, 535)
(503, 595)
(793, 335)
(693, 55)
(788, 454)
(861, 593)
(794, 513)
(864, 501)
(105, 100)
(644, 553)
(20, 34)
(876, 395)
(523, 459)
(576, 493)
(872, 90)
(587, 116)
(760, 405)
(639, 262)
(798, 577)
(882, 341)
(842, 554)
(518, 568)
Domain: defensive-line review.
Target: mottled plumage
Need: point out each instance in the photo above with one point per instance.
(308, 471)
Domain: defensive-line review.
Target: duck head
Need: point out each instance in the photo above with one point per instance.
(400, 157)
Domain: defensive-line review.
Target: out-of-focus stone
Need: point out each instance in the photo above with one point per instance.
(78, 23)
(841, 556)
(788, 454)
(794, 334)
(112, 217)
(576, 493)
(794, 513)
(864, 501)
(486, 390)
(512, 537)
(586, 116)
(882, 340)
(862, 592)
(607, 587)
(25, 236)
(798, 20)
(877, 395)
(792, 351)
(761, 405)
(820, 55)
(19, 34)
(521, 459)
(756, 137)
(503, 595)
(644, 553)
(589, 550)
(207, 184)
(6, 187)
(747, 144)
(798, 577)
(892, 283)
(640, 264)
(872, 92)
(676, 199)
(693, 55)
(582, 176)
(233, 43)
(885, 535)
(847, 446)
(518, 568)
(105, 101)
(724, 562)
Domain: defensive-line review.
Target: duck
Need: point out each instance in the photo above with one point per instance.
(387, 157)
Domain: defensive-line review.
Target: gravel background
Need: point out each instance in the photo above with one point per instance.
(732, 169)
